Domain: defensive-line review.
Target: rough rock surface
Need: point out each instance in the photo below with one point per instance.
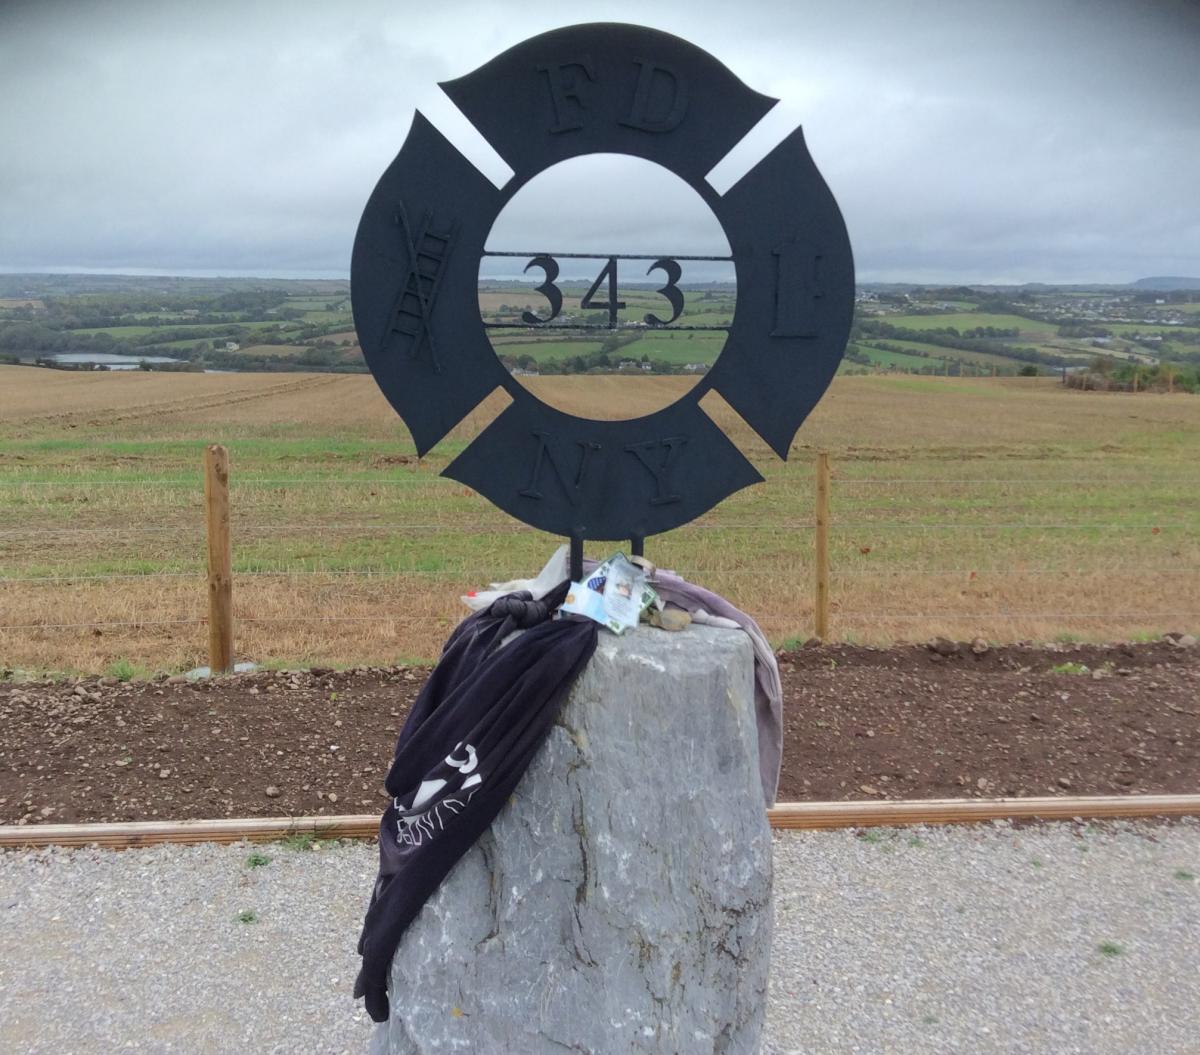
(622, 902)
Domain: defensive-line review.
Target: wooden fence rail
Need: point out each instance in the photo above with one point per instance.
(809, 815)
(220, 555)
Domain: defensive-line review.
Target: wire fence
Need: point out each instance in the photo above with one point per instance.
(1003, 548)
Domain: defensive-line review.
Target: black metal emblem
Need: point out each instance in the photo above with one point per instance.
(601, 88)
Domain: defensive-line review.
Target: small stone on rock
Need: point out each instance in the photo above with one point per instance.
(272, 791)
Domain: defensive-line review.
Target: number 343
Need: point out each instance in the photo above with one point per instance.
(554, 298)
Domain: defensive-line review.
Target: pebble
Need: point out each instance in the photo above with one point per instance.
(272, 791)
(983, 939)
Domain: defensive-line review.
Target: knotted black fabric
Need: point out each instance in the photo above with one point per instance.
(469, 738)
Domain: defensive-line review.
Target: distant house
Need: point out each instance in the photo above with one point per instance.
(696, 368)
(232, 346)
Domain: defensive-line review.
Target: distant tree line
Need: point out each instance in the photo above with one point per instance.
(71, 313)
(37, 340)
(617, 348)
(1110, 375)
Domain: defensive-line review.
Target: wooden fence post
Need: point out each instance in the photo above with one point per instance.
(822, 569)
(220, 559)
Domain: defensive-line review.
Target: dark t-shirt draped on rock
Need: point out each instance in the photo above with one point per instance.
(471, 735)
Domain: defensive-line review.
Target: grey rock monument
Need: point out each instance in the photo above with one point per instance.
(621, 902)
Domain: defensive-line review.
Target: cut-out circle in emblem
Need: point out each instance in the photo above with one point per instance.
(641, 314)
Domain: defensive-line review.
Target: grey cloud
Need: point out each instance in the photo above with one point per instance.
(965, 142)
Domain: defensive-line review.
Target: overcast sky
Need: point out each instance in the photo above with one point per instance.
(965, 141)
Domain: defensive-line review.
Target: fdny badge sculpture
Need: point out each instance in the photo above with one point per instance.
(601, 88)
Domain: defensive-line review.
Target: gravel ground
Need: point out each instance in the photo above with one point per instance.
(1056, 938)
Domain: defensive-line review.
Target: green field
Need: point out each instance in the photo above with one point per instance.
(132, 331)
(678, 348)
(937, 353)
(544, 351)
(165, 331)
(1008, 508)
(1144, 328)
(318, 303)
(894, 360)
(970, 321)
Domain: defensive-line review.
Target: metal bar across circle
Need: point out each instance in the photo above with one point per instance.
(604, 256)
(579, 326)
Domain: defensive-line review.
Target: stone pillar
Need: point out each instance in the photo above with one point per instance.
(621, 902)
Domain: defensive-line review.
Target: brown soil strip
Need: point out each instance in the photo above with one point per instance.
(876, 724)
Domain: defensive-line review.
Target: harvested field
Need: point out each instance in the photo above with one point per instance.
(1008, 509)
(860, 723)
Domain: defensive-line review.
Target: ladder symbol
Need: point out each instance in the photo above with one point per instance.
(410, 319)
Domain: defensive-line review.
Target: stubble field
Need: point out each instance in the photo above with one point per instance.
(1003, 508)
